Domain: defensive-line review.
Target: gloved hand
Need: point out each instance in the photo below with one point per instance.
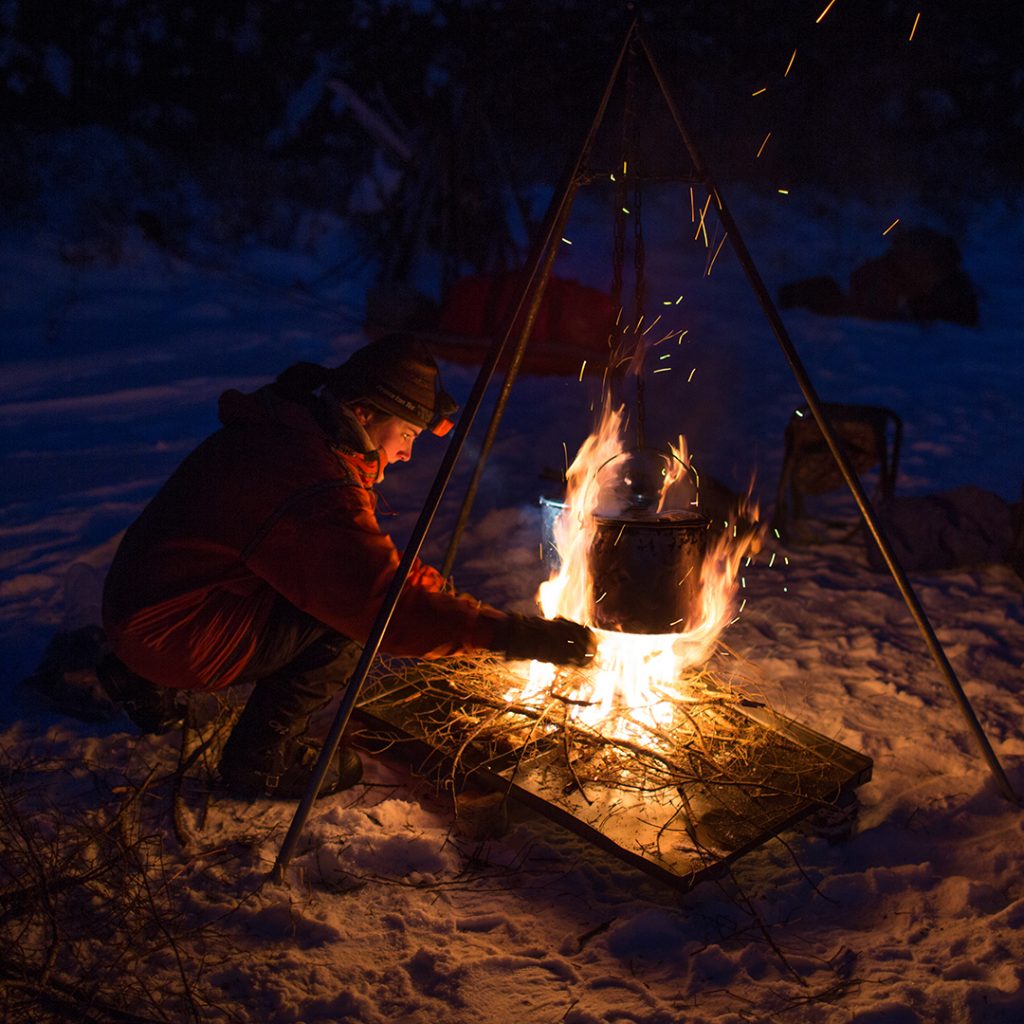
(556, 640)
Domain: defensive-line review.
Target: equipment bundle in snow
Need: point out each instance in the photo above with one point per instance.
(66, 680)
(573, 323)
(918, 278)
(964, 527)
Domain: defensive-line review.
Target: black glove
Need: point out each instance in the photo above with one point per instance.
(556, 640)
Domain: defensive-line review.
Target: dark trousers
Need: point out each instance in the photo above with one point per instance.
(298, 666)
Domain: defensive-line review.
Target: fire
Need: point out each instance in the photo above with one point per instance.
(569, 592)
(636, 679)
(675, 472)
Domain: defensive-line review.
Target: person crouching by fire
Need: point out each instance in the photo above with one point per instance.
(261, 561)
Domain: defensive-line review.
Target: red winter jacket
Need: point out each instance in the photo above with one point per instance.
(277, 502)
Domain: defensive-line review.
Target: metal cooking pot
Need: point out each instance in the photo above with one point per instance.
(646, 569)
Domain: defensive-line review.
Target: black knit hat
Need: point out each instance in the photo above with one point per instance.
(397, 375)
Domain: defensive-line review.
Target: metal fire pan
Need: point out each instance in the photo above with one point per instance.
(682, 836)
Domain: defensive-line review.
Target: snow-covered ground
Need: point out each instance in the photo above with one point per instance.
(392, 912)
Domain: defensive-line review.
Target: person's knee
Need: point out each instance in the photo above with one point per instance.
(327, 665)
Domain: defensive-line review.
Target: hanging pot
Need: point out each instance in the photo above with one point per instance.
(646, 570)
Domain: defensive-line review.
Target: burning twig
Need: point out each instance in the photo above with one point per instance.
(708, 750)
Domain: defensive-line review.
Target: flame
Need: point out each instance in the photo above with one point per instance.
(569, 592)
(678, 469)
(636, 679)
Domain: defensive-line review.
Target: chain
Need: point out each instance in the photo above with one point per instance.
(629, 171)
(639, 286)
(640, 290)
(621, 192)
(639, 253)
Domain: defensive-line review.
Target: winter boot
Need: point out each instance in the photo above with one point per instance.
(283, 771)
(153, 709)
(267, 753)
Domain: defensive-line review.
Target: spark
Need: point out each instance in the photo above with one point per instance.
(664, 369)
(567, 242)
(624, 210)
(700, 226)
(917, 18)
(743, 582)
(746, 564)
(680, 299)
(785, 559)
(717, 251)
(789, 65)
(624, 166)
(583, 366)
(776, 532)
(619, 537)
(824, 12)
(799, 413)
(763, 88)
(718, 199)
(639, 323)
(601, 598)
(783, 191)
(653, 322)
(785, 590)
(692, 213)
(683, 334)
(763, 144)
(743, 604)
(612, 176)
(890, 227)
(565, 452)
(676, 623)
(771, 561)
(540, 552)
(692, 372)
(667, 355)
(666, 302)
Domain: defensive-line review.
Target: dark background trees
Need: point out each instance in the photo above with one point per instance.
(245, 95)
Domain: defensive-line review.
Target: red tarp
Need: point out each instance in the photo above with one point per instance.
(573, 324)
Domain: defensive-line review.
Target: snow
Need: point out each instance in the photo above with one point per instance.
(396, 909)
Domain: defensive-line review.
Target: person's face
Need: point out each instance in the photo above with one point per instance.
(391, 435)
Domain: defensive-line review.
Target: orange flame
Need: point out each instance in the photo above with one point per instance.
(569, 592)
(678, 468)
(635, 678)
